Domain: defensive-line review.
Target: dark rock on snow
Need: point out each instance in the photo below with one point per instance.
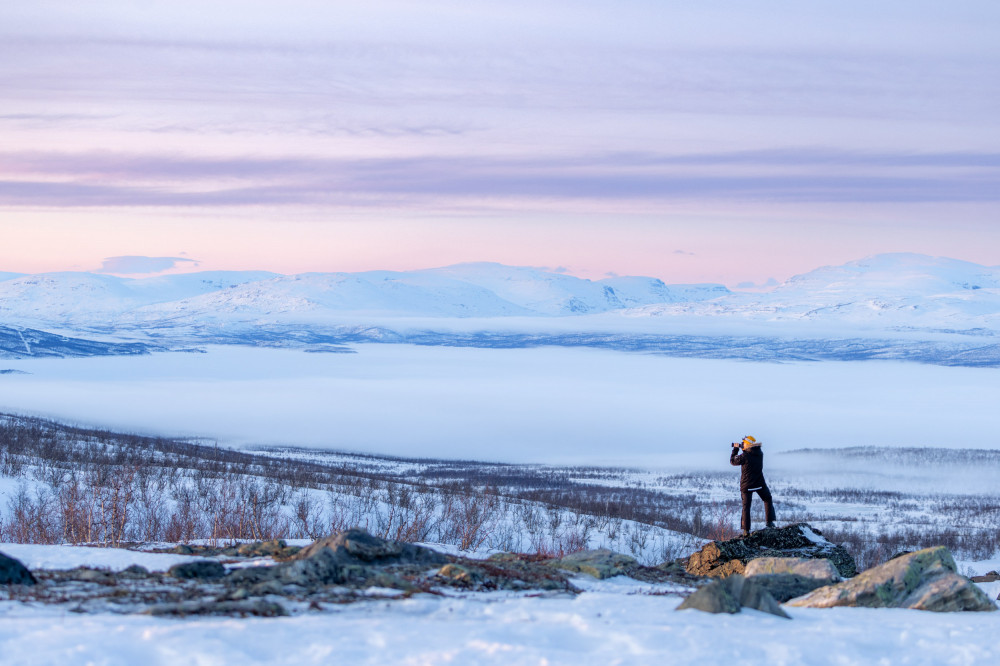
(720, 559)
(730, 595)
(12, 572)
(198, 569)
(924, 580)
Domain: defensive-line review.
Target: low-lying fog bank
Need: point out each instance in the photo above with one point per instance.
(567, 406)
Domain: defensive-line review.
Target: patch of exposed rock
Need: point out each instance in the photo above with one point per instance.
(924, 580)
(730, 595)
(720, 559)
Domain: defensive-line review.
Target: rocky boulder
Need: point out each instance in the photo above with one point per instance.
(12, 572)
(720, 559)
(356, 546)
(924, 580)
(600, 563)
(730, 595)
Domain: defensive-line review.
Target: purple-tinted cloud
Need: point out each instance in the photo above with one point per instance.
(109, 179)
(135, 265)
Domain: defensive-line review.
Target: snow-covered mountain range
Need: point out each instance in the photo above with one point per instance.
(908, 299)
(465, 290)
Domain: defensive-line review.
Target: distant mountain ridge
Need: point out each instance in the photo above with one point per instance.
(895, 306)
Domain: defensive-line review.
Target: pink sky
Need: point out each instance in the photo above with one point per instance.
(691, 143)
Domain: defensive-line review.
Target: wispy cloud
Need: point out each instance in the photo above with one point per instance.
(139, 265)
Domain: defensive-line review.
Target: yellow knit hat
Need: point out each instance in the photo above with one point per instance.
(750, 442)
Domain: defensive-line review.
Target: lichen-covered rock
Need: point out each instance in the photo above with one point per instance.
(600, 563)
(820, 569)
(730, 595)
(276, 548)
(198, 569)
(458, 574)
(12, 572)
(725, 558)
(923, 580)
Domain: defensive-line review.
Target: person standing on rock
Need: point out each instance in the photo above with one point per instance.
(747, 454)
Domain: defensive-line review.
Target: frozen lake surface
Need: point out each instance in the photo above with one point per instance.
(521, 405)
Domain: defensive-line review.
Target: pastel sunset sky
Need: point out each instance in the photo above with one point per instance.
(691, 141)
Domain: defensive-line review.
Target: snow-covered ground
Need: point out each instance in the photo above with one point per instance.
(616, 621)
(556, 405)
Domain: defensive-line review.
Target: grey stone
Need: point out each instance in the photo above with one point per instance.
(923, 580)
(12, 572)
(730, 595)
(725, 558)
(257, 607)
(601, 563)
(198, 569)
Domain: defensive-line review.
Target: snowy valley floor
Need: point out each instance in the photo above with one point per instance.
(615, 621)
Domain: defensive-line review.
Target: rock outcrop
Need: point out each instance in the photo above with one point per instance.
(730, 595)
(924, 580)
(720, 559)
(12, 572)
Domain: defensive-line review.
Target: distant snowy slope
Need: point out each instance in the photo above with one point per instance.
(89, 298)
(637, 291)
(317, 294)
(888, 291)
(536, 290)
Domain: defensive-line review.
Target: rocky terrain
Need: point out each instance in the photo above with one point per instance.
(794, 564)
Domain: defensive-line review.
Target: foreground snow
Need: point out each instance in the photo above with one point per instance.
(616, 621)
(613, 622)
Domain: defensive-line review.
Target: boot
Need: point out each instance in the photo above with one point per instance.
(770, 525)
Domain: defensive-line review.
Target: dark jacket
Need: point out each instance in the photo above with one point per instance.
(752, 461)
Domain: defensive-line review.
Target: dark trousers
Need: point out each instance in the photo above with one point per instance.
(765, 495)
